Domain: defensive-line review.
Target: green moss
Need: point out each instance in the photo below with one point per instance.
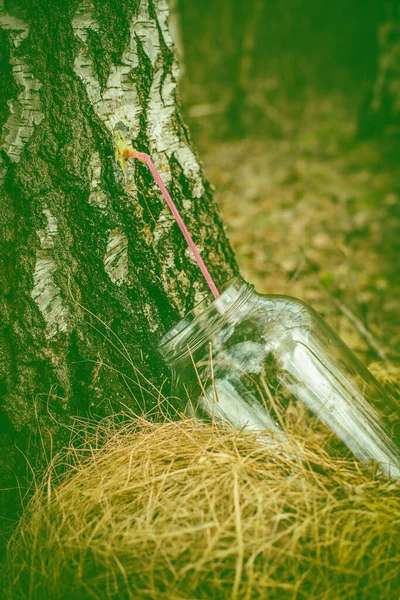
(143, 74)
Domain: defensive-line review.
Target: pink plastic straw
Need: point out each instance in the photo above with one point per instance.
(146, 159)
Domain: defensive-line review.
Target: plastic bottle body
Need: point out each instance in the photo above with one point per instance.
(230, 356)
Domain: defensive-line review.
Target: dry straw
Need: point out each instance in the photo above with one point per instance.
(186, 511)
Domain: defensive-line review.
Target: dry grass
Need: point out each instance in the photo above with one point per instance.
(183, 510)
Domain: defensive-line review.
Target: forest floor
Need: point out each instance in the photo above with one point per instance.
(316, 215)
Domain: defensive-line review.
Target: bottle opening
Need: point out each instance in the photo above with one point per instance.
(207, 316)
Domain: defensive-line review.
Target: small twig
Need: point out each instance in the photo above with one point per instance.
(361, 328)
(354, 320)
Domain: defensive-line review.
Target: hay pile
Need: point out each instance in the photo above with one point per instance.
(182, 511)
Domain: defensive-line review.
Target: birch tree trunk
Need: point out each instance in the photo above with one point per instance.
(95, 269)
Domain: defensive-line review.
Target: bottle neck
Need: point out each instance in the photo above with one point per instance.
(205, 321)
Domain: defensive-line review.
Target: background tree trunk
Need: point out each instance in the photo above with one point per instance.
(380, 110)
(82, 243)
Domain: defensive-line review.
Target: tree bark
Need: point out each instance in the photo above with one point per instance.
(95, 269)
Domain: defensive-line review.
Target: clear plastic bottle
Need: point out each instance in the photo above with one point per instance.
(227, 356)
